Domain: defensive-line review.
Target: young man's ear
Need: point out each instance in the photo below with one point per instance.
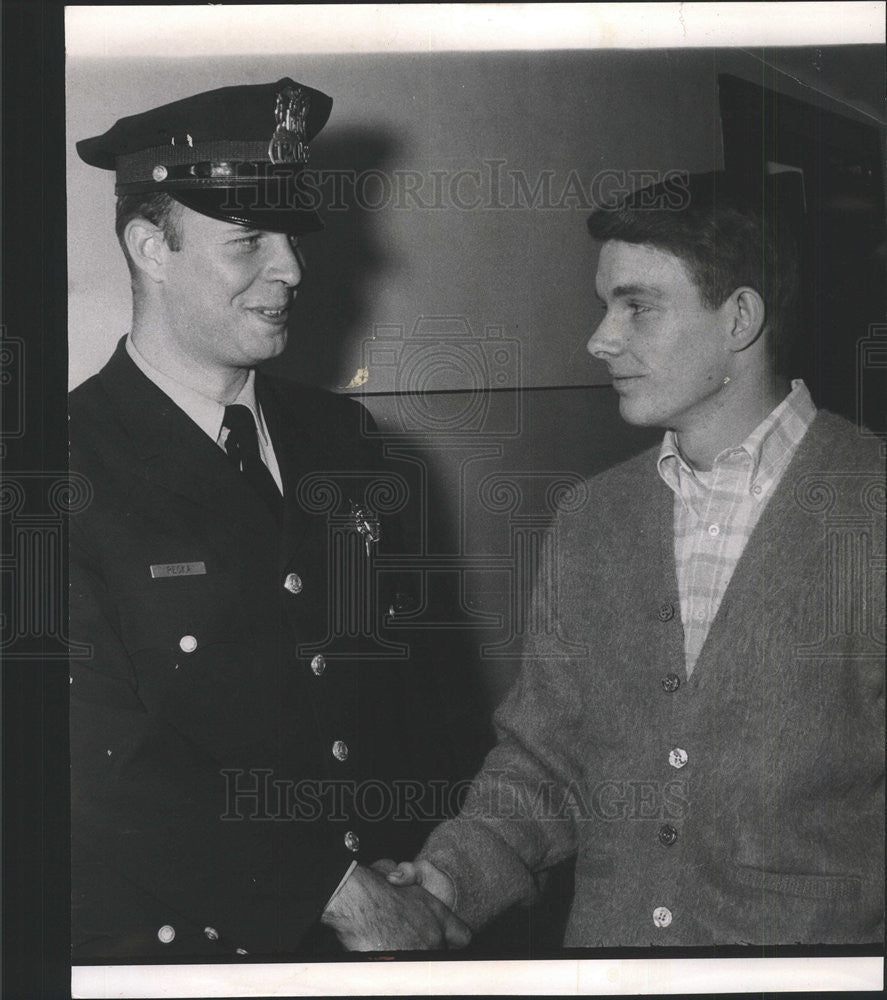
(748, 316)
(146, 246)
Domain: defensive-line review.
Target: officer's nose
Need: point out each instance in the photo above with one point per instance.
(286, 263)
(606, 341)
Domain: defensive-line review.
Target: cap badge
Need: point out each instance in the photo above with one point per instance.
(289, 143)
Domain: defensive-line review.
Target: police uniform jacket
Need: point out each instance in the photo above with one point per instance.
(224, 706)
(744, 804)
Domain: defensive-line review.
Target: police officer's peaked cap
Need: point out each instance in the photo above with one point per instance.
(234, 154)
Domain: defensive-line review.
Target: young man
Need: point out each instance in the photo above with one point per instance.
(715, 762)
(221, 724)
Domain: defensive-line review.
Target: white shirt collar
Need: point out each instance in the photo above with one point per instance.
(767, 449)
(204, 410)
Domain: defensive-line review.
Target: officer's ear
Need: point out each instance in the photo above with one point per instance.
(146, 247)
(747, 315)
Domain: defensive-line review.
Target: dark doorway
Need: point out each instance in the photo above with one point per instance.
(835, 176)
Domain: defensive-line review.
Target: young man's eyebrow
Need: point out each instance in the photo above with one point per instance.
(625, 291)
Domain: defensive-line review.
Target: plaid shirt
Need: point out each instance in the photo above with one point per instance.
(716, 511)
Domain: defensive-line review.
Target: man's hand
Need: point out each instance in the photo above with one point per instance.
(370, 914)
(424, 873)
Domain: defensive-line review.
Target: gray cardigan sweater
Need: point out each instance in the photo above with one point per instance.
(772, 831)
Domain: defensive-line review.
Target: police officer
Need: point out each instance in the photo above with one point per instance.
(223, 718)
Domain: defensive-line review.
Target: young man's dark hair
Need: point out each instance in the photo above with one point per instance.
(727, 234)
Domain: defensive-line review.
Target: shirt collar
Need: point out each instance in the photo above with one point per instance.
(769, 446)
(773, 442)
(204, 410)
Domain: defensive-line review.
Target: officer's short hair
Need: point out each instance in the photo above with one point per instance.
(160, 209)
(726, 235)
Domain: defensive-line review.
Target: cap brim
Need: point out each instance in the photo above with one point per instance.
(230, 206)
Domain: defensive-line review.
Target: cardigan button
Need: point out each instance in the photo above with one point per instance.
(670, 683)
(667, 835)
(678, 757)
(666, 612)
(662, 916)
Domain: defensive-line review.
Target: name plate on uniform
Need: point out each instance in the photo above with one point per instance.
(178, 569)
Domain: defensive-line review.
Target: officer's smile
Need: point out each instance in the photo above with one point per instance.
(276, 317)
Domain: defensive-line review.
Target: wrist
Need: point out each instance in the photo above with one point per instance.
(437, 881)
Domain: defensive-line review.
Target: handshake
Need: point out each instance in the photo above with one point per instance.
(390, 907)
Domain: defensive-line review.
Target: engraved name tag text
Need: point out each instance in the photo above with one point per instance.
(178, 569)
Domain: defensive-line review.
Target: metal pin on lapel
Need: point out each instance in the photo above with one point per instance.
(367, 524)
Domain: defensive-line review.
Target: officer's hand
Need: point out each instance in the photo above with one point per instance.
(424, 873)
(369, 914)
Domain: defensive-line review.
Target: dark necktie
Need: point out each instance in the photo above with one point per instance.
(242, 446)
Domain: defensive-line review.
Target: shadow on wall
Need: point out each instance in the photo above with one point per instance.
(343, 262)
(333, 310)
(446, 448)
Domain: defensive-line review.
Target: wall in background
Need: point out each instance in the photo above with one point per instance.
(455, 185)
(455, 261)
(438, 298)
